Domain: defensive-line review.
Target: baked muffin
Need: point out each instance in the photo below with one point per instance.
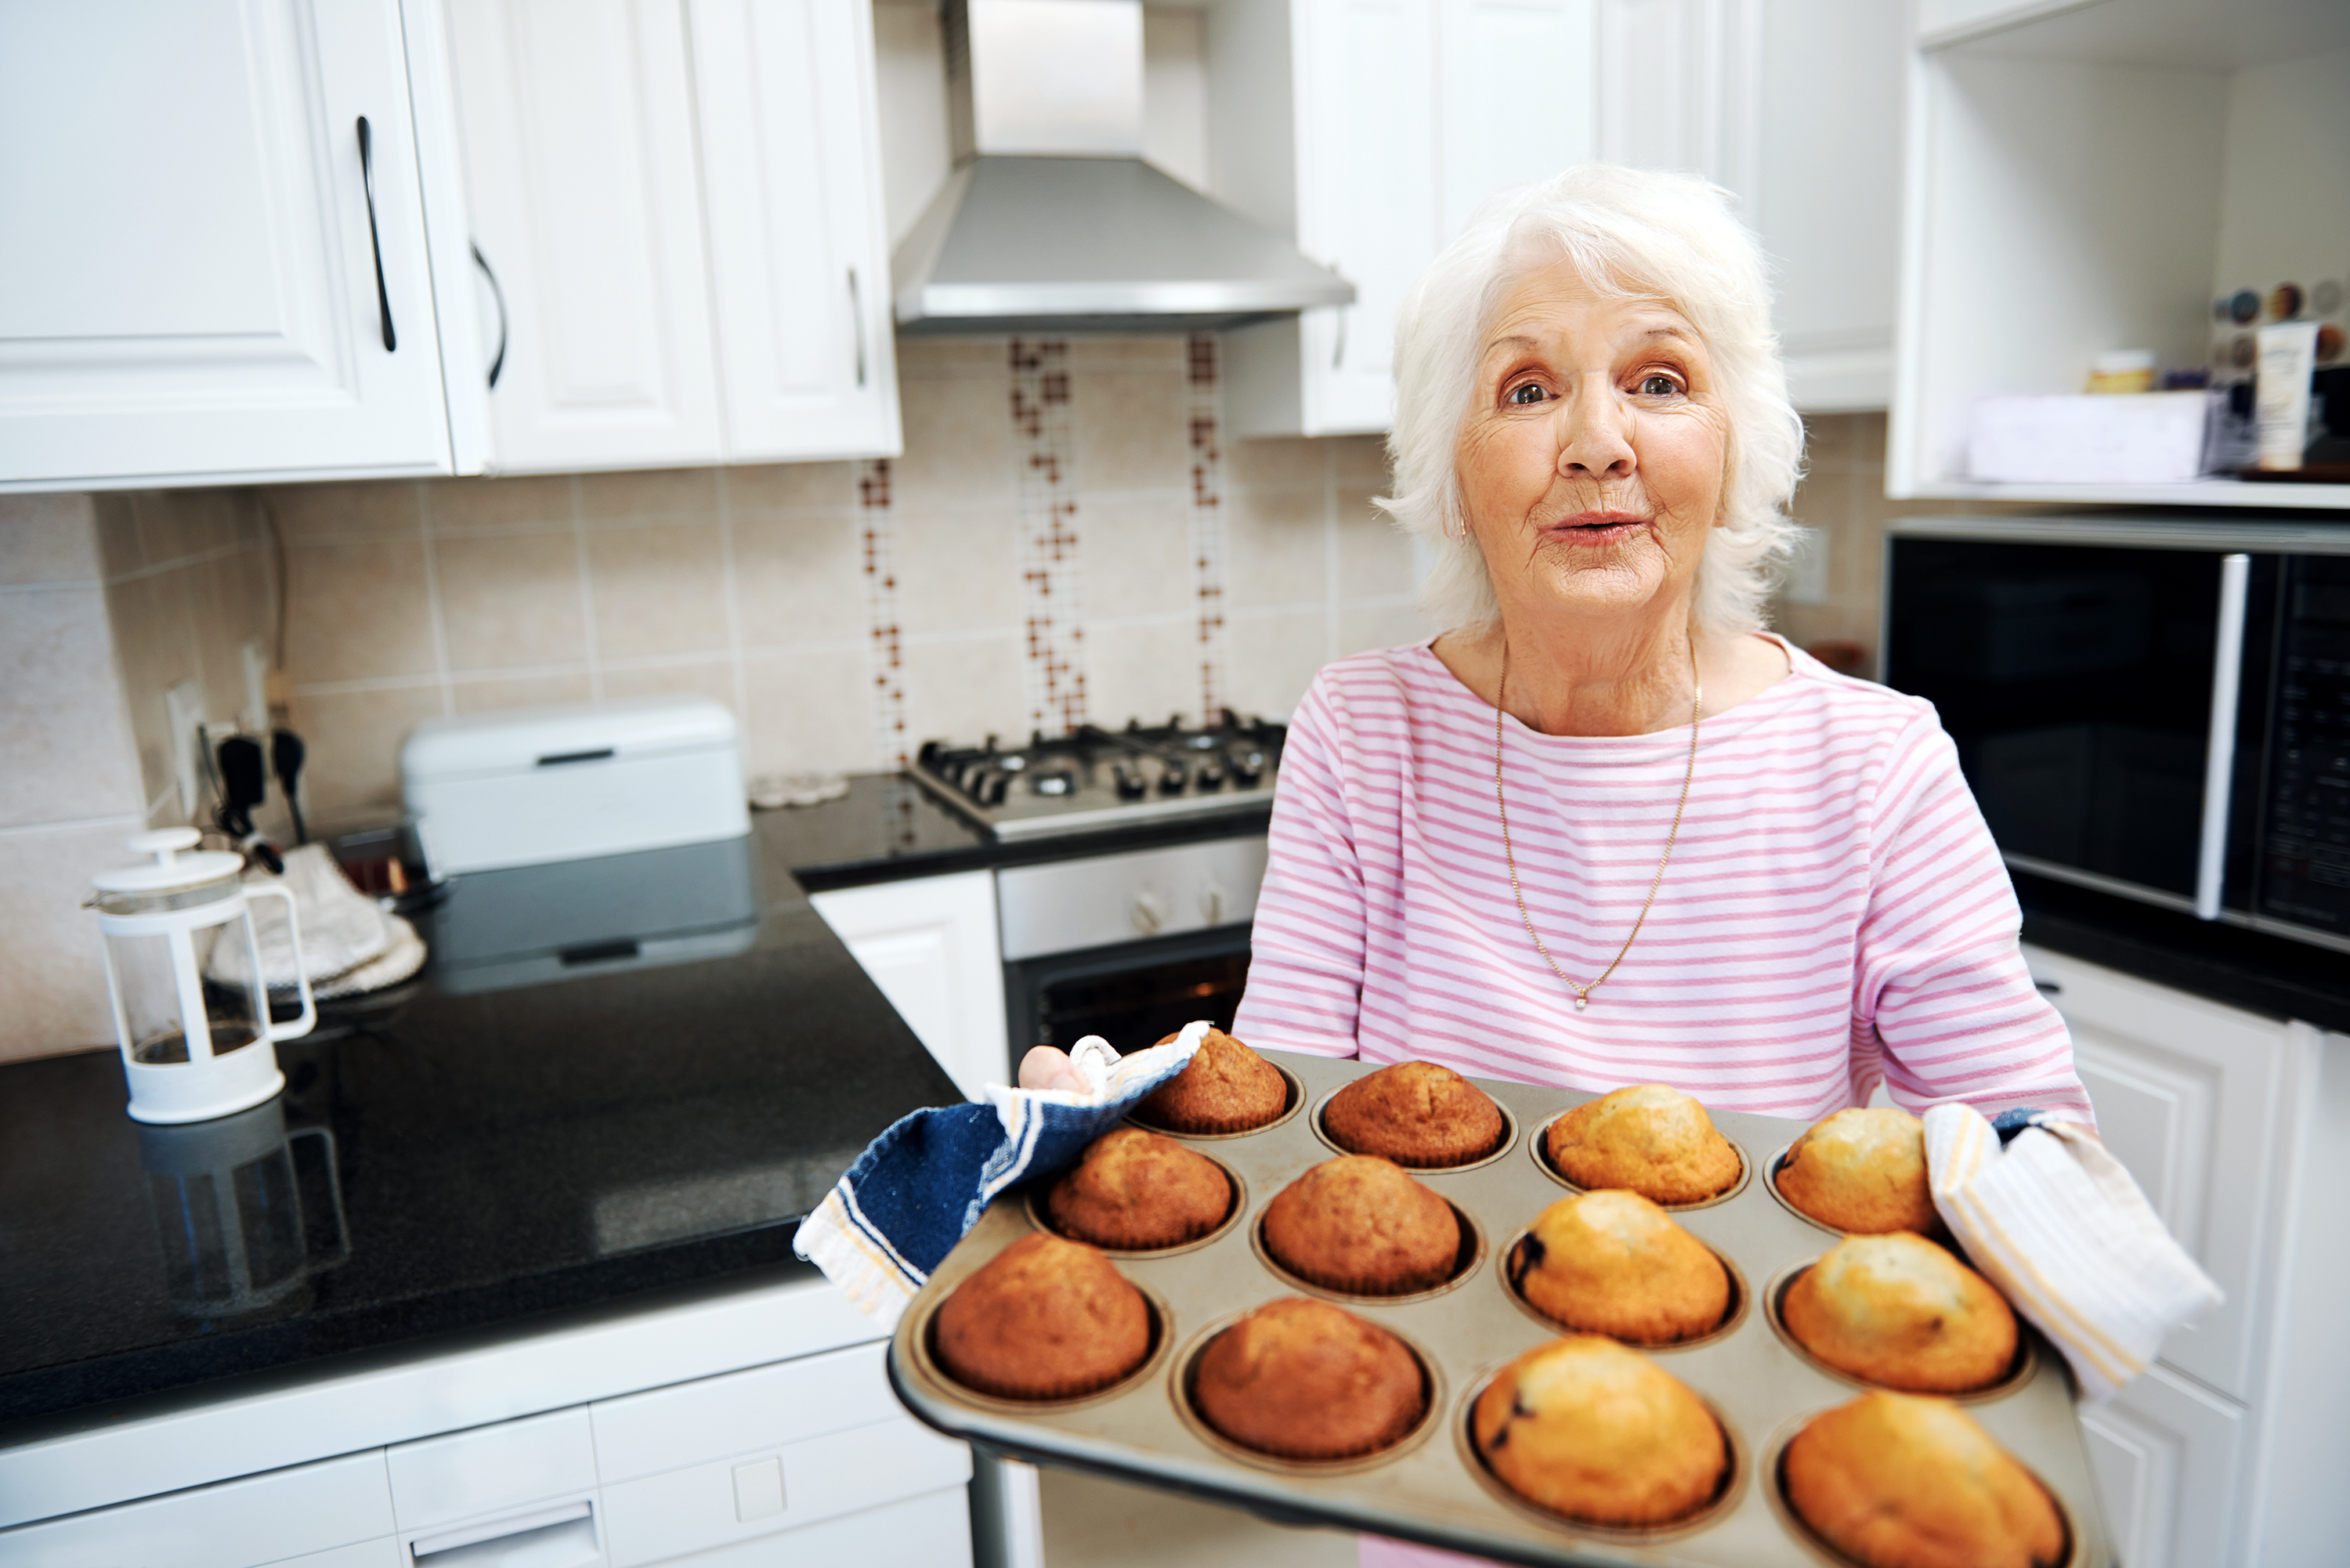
(1356, 1223)
(1416, 1113)
(1893, 1481)
(1303, 1380)
(1044, 1319)
(1591, 1430)
(1133, 1189)
(1897, 1310)
(1615, 1263)
(1652, 1140)
(1862, 1170)
(1226, 1088)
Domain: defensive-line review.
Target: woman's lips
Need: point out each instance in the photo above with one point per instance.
(1596, 528)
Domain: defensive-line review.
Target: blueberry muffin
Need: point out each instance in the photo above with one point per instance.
(1862, 1170)
(1615, 1263)
(1897, 1310)
(1598, 1433)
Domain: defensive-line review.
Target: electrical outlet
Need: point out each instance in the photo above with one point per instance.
(183, 710)
(255, 658)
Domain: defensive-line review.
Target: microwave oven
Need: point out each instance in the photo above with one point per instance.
(2155, 708)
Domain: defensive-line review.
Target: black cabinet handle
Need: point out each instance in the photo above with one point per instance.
(375, 237)
(499, 362)
(857, 320)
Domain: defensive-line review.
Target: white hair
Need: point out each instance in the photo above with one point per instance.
(1632, 234)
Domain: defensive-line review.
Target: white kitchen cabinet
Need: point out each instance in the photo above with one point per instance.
(336, 1513)
(577, 138)
(798, 242)
(931, 944)
(201, 276)
(679, 204)
(2166, 1454)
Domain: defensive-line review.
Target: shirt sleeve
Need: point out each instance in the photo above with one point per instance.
(1943, 1006)
(1306, 958)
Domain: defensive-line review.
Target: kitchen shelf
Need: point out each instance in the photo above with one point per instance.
(2201, 493)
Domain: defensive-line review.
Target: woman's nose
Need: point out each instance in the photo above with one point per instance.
(1594, 434)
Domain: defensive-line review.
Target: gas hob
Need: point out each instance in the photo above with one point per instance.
(1094, 778)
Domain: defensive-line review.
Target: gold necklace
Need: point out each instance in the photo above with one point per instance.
(1697, 716)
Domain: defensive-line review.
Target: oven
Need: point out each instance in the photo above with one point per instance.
(1129, 945)
(2158, 710)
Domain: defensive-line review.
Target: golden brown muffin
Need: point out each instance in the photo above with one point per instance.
(1615, 1263)
(1898, 1310)
(1893, 1481)
(1134, 1190)
(1360, 1224)
(1044, 1319)
(1226, 1088)
(1305, 1380)
(1862, 1170)
(1652, 1140)
(1589, 1430)
(1416, 1113)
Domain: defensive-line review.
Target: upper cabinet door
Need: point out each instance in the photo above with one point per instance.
(1520, 98)
(200, 275)
(799, 257)
(1366, 200)
(577, 133)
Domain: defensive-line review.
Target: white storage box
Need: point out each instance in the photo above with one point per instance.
(2135, 438)
(540, 784)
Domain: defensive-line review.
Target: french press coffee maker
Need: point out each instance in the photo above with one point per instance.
(191, 1050)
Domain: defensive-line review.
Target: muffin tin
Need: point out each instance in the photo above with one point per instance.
(1431, 1486)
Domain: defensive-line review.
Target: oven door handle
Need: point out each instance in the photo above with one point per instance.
(2220, 748)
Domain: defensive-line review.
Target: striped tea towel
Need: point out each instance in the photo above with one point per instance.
(2056, 1222)
(929, 1176)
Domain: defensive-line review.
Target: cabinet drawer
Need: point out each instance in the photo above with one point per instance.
(308, 1510)
(747, 1495)
(438, 1480)
(766, 1408)
(2165, 1454)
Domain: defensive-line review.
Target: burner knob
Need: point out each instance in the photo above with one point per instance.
(1149, 913)
(1131, 785)
(1172, 781)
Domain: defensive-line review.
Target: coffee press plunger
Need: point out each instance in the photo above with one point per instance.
(191, 1051)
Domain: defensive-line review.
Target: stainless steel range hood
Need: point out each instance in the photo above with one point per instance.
(1051, 220)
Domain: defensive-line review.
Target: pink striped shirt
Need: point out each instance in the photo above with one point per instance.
(1834, 915)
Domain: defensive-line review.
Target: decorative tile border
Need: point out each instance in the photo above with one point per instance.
(1209, 555)
(881, 620)
(1051, 601)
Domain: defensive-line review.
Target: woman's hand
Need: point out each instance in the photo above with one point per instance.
(1047, 1069)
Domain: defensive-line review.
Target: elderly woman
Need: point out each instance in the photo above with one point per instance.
(1606, 830)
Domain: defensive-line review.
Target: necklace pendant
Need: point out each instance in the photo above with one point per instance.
(1581, 1002)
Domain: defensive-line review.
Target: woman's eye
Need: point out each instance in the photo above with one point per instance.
(1529, 393)
(1658, 385)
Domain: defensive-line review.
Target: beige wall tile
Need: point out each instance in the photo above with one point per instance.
(664, 493)
(228, 602)
(933, 358)
(352, 775)
(499, 693)
(459, 506)
(710, 678)
(511, 599)
(810, 712)
(1144, 672)
(658, 590)
(118, 532)
(1374, 625)
(790, 485)
(1829, 441)
(208, 518)
(1360, 461)
(1276, 547)
(1137, 560)
(959, 570)
(1163, 354)
(1274, 657)
(959, 689)
(958, 442)
(49, 539)
(52, 965)
(344, 511)
(68, 753)
(164, 527)
(155, 648)
(1276, 460)
(799, 576)
(1374, 555)
(357, 610)
(1131, 432)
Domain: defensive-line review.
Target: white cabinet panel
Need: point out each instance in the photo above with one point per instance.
(309, 1509)
(489, 1469)
(798, 254)
(1520, 99)
(766, 1407)
(189, 271)
(928, 1532)
(383, 1552)
(707, 1506)
(930, 945)
(2165, 1453)
(583, 195)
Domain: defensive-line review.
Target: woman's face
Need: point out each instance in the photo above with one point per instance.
(1592, 458)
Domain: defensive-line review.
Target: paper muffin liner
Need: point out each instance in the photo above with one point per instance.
(1037, 1200)
(1180, 1385)
(1293, 1097)
(1470, 1253)
(1740, 1300)
(2021, 1367)
(1773, 1469)
(1538, 1146)
(1467, 1162)
(1073, 1393)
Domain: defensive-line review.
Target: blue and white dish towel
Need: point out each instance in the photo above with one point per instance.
(925, 1181)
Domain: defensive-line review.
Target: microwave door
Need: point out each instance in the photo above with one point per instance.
(2084, 687)
(2304, 863)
